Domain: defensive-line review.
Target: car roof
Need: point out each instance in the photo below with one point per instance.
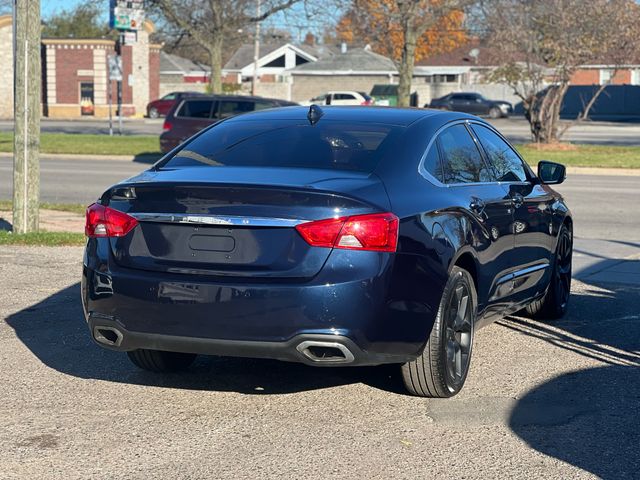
(380, 115)
(238, 97)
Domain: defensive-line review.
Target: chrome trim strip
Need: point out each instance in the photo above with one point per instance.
(520, 273)
(204, 219)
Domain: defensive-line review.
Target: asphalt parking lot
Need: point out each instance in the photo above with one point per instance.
(557, 400)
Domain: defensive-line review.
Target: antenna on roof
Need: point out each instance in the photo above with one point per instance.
(315, 112)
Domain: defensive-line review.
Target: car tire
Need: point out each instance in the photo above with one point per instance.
(555, 302)
(153, 113)
(441, 369)
(159, 361)
(495, 112)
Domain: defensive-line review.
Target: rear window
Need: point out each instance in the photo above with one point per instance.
(326, 145)
(195, 109)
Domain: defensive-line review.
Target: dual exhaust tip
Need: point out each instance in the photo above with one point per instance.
(316, 351)
(325, 352)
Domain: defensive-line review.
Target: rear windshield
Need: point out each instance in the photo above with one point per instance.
(253, 143)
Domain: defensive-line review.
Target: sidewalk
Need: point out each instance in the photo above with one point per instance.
(609, 261)
(50, 221)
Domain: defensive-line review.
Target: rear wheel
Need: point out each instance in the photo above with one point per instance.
(441, 370)
(555, 302)
(159, 361)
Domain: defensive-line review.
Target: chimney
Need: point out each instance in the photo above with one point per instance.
(343, 47)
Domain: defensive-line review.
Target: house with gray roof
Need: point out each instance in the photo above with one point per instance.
(356, 69)
(275, 59)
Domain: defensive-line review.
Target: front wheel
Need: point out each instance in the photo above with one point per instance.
(555, 302)
(495, 112)
(441, 369)
(153, 113)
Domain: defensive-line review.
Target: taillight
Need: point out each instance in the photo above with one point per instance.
(377, 232)
(166, 126)
(367, 102)
(103, 221)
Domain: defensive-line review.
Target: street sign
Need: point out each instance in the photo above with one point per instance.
(130, 37)
(126, 14)
(115, 68)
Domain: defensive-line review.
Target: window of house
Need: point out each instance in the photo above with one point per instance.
(606, 75)
(635, 77)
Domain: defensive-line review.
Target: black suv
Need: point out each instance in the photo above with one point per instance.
(473, 103)
(193, 114)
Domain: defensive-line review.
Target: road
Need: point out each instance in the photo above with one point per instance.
(542, 400)
(516, 129)
(130, 126)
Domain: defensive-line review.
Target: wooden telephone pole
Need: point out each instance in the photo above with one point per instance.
(26, 108)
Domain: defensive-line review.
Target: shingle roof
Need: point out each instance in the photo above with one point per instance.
(461, 56)
(170, 63)
(354, 60)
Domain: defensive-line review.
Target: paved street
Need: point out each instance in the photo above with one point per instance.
(542, 400)
(516, 129)
(139, 126)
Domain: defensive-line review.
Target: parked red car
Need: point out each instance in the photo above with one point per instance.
(161, 106)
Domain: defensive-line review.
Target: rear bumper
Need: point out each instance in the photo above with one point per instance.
(195, 314)
(343, 351)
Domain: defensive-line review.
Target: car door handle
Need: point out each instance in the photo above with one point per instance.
(477, 205)
(517, 200)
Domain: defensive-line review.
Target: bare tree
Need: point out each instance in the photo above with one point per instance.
(210, 22)
(544, 42)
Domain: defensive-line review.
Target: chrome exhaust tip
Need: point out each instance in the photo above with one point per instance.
(325, 352)
(109, 336)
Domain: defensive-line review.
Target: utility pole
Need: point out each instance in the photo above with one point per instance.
(26, 110)
(256, 52)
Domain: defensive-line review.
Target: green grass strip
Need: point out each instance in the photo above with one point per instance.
(49, 239)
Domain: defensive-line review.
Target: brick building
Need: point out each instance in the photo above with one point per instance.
(75, 75)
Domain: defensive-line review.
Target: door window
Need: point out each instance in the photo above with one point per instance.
(235, 107)
(169, 96)
(461, 159)
(343, 96)
(195, 109)
(505, 161)
(432, 162)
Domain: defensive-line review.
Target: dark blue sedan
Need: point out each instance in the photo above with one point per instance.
(328, 236)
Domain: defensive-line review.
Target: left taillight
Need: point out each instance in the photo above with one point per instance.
(103, 221)
(374, 232)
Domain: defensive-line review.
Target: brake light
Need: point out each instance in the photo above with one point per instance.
(166, 126)
(367, 102)
(376, 232)
(103, 221)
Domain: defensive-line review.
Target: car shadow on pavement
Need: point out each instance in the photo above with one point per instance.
(588, 418)
(54, 330)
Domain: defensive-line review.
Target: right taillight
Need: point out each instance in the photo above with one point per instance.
(374, 232)
(166, 126)
(103, 221)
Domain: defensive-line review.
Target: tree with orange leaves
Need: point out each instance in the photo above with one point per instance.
(405, 30)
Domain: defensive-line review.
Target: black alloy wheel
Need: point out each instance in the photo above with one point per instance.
(555, 302)
(441, 369)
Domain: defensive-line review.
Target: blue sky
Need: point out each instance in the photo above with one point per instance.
(51, 6)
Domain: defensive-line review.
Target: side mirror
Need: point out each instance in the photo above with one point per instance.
(551, 173)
